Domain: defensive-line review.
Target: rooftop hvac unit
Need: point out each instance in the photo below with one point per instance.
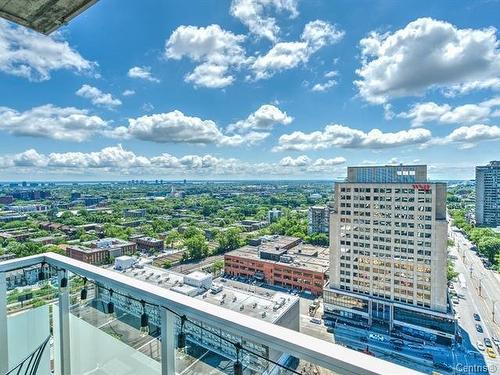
(263, 314)
(255, 305)
(242, 307)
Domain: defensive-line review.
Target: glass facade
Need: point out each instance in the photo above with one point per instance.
(431, 321)
(387, 174)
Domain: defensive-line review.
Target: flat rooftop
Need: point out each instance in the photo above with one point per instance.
(261, 306)
(303, 257)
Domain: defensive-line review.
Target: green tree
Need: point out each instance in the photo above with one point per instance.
(229, 240)
(196, 247)
(451, 273)
(217, 266)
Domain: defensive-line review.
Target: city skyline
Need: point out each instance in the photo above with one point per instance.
(244, 90)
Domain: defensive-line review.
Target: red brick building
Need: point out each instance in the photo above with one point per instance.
(302, 267)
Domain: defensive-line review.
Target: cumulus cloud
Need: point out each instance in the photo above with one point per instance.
(325, 86)
(176, 127)
(468, 136)
(97, 97)
(335, 135)
(421, 113)
(128, 93)
(142, 72)
(48, 121)
(287, 55)
(252, 13)
(427, 54)
(263, 118)
(218, 52)
(306, 164)
(27, 54)
(118, 160)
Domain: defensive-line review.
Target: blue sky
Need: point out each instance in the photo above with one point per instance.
(251, 89)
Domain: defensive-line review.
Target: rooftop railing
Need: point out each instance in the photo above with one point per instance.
(216, 335)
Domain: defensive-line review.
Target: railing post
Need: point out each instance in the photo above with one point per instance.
(4, 340)
(167, 342)
(64, 334)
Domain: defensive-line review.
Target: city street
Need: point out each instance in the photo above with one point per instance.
(472, 274)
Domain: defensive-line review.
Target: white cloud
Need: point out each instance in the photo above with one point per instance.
(27, 54)
(306, 164)
(252, 14)
(176, 127)
(421, 113)
(142, 72)
(263, 118)
(218, 51)
(426, 54)
(48, 121)
(288, 55)
(128, 93)
(299, 161)
(325, 86)
(344, 137)
(468, 136)
(97, 97)
(321, 87)
(116, 160)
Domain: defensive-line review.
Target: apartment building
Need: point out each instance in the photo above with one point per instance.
(101, 251)
(388, 252)
(149, 244)
(488, 194)
(318, 219)
(302, 267)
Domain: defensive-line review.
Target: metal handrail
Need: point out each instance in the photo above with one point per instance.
(32, 361)
(322, 353)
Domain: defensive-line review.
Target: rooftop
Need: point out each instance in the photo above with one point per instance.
(303, 257)
(169, 305)
(254, 305)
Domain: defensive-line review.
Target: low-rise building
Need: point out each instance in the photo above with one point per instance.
(274, 307)
(6, 199)
(149, 244)
(101, 251)
(302, 267)
(135, 213)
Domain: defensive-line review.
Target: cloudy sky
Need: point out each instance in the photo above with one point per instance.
(237, 89)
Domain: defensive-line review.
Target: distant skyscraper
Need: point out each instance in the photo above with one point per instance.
(388, 252)
(488, 194)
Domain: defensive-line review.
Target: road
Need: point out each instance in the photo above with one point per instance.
(470, 301)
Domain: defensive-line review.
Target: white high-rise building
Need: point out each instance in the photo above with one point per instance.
(318, 219)
(388, 252)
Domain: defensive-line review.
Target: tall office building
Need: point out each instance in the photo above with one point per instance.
(388, 252)
(488, 194)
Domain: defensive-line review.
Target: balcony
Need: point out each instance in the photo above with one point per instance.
(75, 318)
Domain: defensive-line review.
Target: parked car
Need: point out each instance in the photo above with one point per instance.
(443, 366)
(428, 356)
(315, 321)
(416, 346)
(491, 353)
(479, 328)
(477, 318)
(488, 343)
(363, 339)
(376, 336)
(480, 346)
(397, 342)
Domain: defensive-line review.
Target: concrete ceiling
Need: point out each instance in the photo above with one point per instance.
(44, 16)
